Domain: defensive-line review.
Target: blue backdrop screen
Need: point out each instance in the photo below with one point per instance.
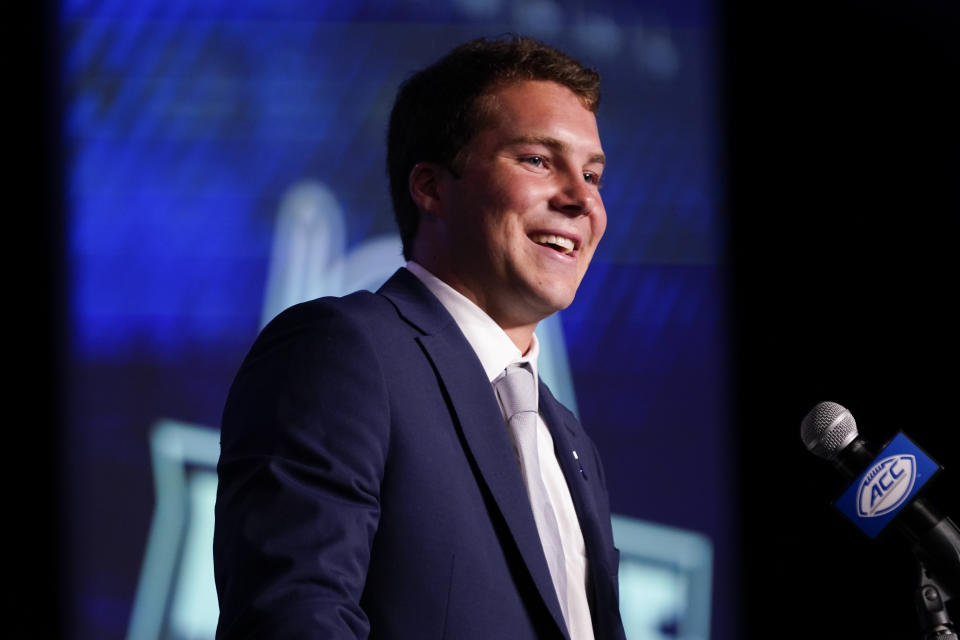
(189, 129)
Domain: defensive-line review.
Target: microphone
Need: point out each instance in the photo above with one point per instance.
(830, 432)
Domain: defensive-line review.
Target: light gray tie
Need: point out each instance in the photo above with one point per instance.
(518, 396)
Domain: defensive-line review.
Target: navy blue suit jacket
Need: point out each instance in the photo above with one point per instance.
(368, 486)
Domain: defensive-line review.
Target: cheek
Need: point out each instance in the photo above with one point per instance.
(520, 190)
(506, 216)
(507, 203)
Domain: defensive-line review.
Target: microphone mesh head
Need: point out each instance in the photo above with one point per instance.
(828, 429)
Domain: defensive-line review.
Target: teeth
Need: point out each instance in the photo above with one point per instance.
(564, 244)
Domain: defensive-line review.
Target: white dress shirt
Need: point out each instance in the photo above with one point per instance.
(496, 350)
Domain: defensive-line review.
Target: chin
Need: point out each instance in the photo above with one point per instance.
(553, 301)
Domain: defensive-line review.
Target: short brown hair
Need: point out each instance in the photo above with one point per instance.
(438, 110)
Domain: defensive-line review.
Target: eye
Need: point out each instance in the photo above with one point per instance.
(592, 178)
(533, 161)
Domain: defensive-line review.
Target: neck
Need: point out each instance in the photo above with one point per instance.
(520, 331)
(521, 336)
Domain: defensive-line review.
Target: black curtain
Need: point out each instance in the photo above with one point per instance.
(842, 191)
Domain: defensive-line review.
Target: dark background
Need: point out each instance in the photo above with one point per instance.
(35, 324)
(842, 146)
(840, 164)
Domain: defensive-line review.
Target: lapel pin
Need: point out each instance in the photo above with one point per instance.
(580, 464)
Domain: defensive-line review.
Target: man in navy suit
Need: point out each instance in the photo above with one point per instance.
(371, 480)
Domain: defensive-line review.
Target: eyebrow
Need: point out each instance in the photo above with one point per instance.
(557, 145)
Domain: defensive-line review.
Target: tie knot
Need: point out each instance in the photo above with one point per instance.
(517, 389)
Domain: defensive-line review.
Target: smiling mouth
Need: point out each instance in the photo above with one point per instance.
(555, 242)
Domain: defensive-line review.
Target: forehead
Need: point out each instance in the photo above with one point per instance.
(537, 107)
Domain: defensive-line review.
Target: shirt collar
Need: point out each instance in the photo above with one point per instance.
(492, 345)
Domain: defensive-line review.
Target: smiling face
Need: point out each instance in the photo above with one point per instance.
(516, 230)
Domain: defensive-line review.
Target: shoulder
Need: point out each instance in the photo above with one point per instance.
(317, 339)
(359, 308)
(338, 324)
(307, 366)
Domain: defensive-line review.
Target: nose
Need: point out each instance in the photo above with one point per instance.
(574, 195)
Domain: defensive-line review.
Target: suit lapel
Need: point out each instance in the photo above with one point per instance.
(480, 420)
(582, 479)
(578, 469)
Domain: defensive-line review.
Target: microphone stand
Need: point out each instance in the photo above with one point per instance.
(937, 552)
(931, 601)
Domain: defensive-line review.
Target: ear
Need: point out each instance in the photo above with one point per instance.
(425, 187)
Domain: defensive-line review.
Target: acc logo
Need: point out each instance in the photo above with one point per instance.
(886, 486)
